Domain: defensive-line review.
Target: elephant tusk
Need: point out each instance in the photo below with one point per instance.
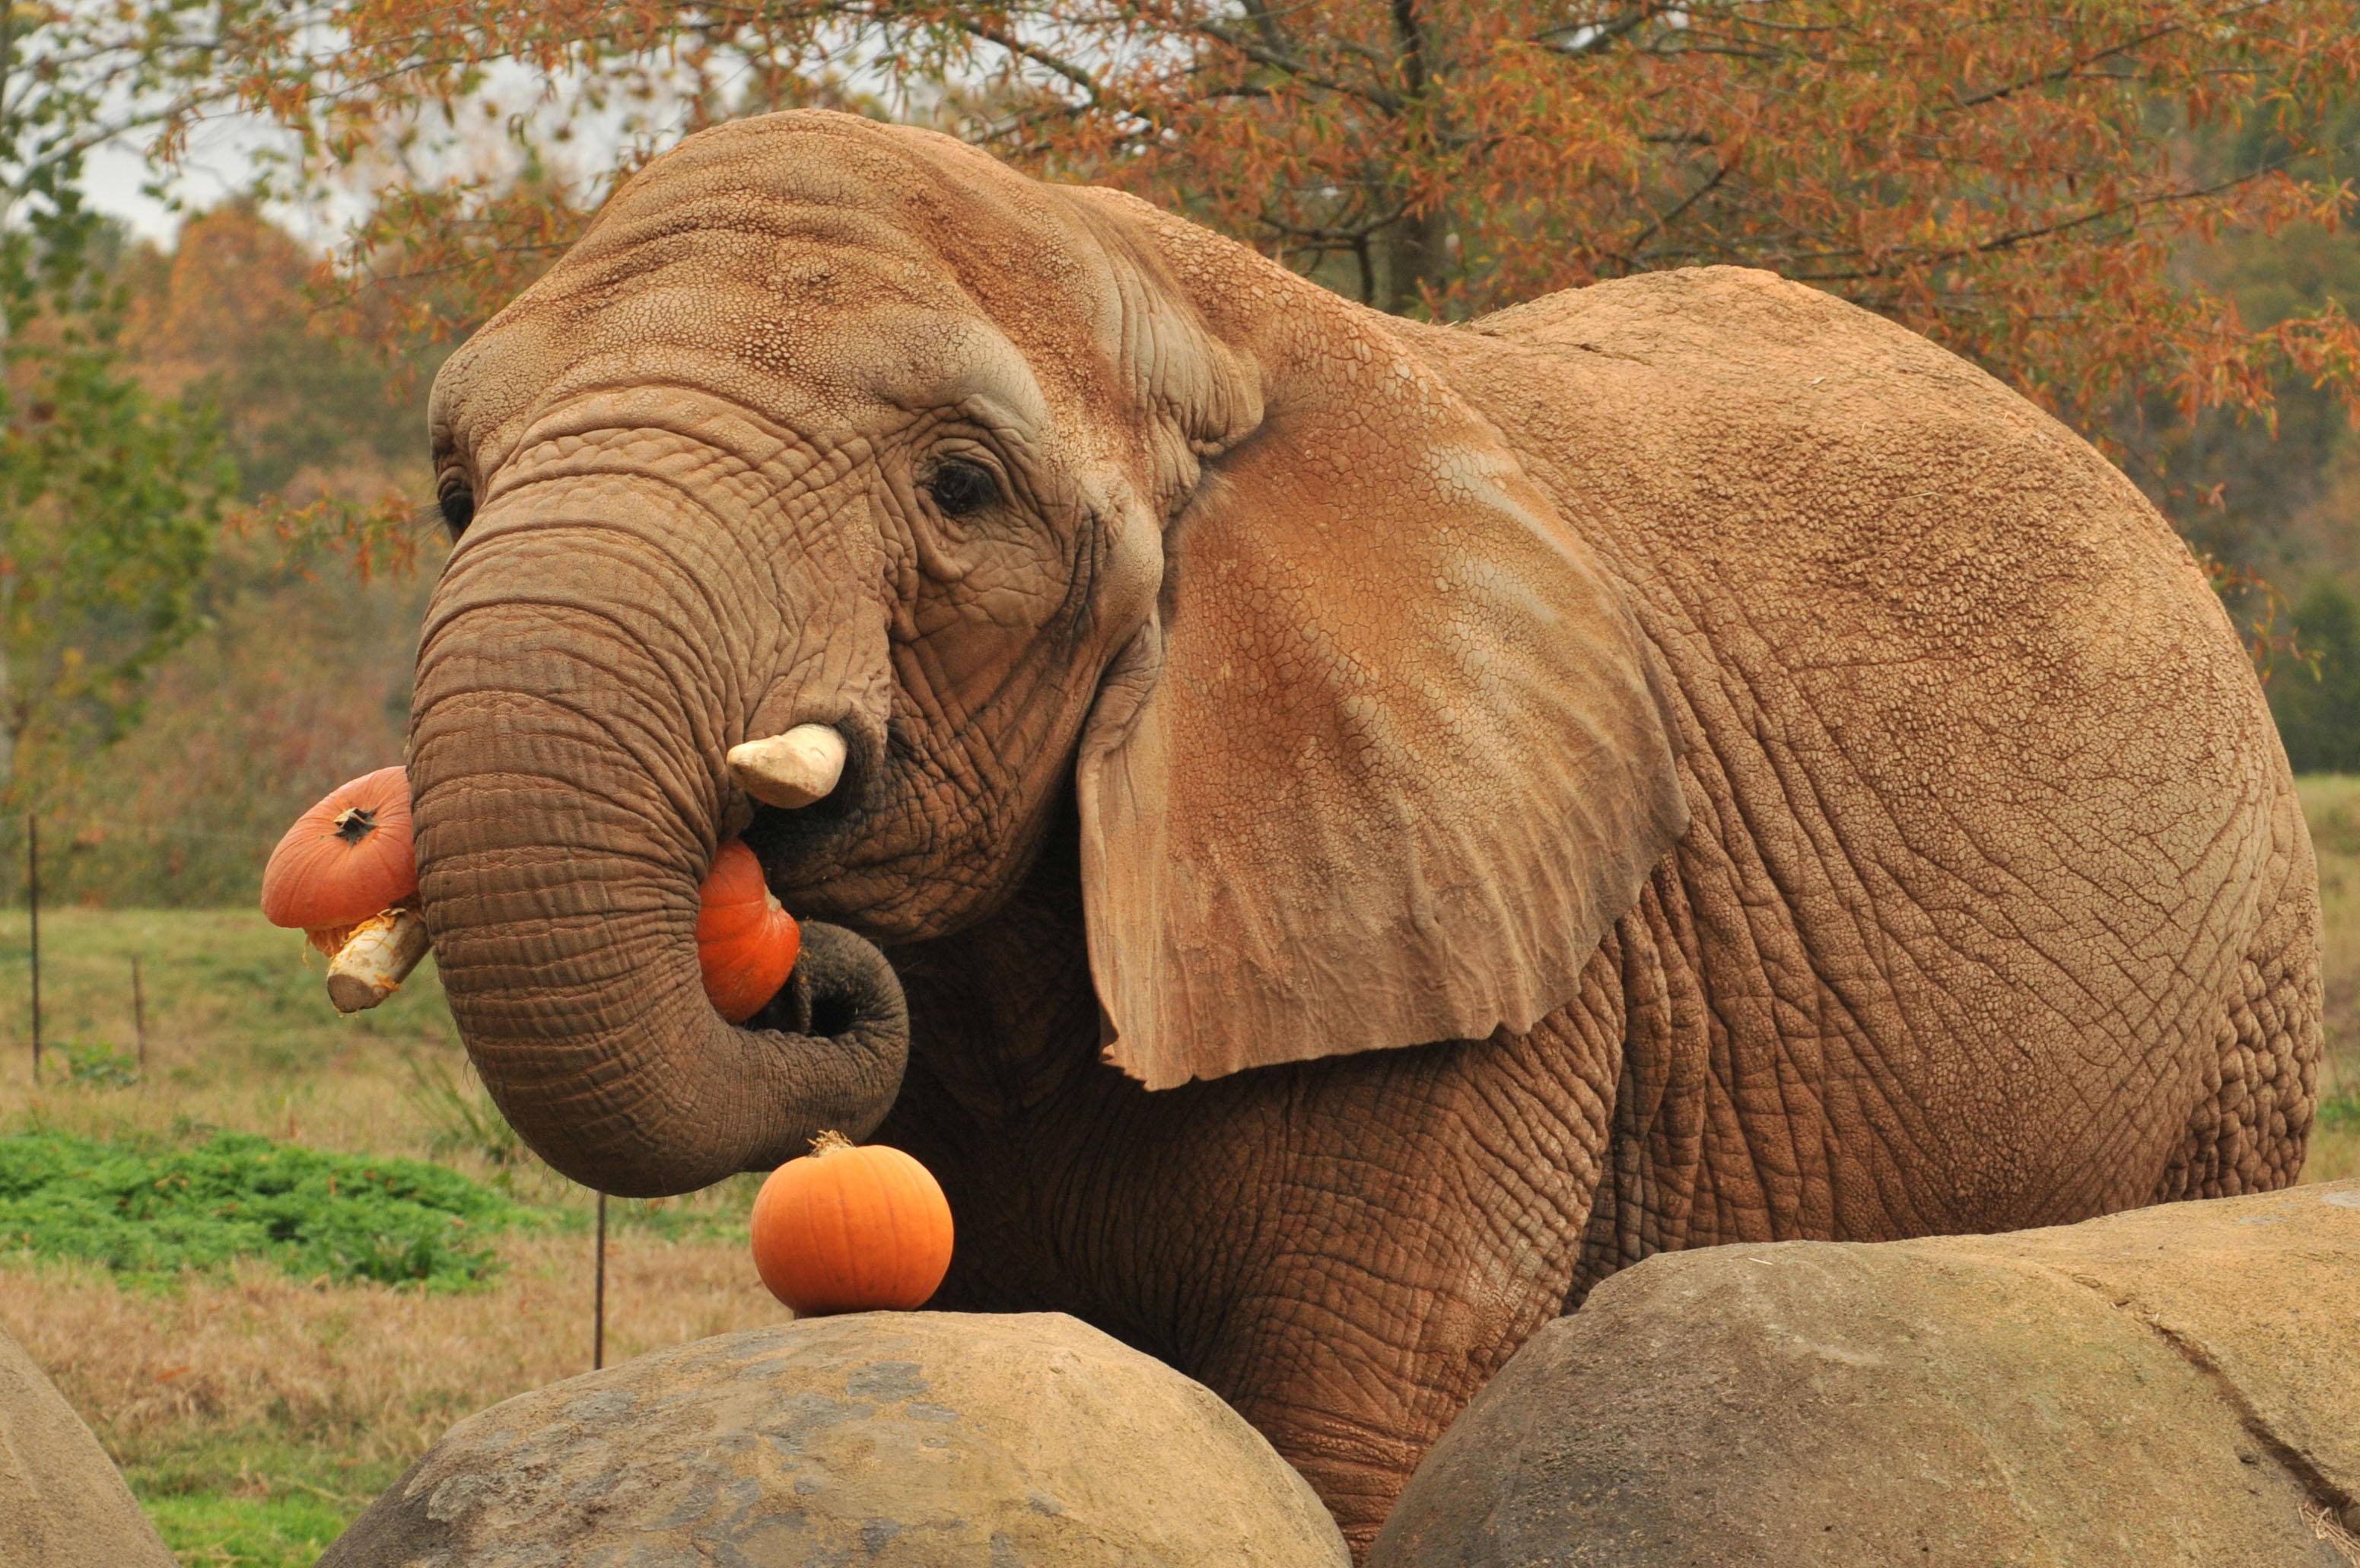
(791, 770)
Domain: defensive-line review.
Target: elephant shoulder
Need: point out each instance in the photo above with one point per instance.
(1711, 403)
(1736, 319)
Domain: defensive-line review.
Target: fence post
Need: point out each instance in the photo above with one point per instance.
(598, 1311)
(33, 912)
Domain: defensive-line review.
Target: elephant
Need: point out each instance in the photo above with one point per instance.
(1330, 835)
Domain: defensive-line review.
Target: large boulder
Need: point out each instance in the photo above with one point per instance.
(883, 1438)
(2177, 1385)
(62, 1502)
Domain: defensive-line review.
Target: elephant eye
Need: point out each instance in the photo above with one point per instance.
(959, 487)
(458, 504)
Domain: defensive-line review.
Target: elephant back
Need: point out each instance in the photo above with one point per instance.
(1997, 861)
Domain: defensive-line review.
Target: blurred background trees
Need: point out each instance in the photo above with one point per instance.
(291, 664)
(2131, 209)
(2319, 708)
(109, 496)
(2017, 181)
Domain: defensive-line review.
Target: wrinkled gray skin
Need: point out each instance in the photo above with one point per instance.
(1911, 850)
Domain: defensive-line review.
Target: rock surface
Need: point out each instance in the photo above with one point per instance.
(884, 1438)
(2176, 1385)
(62, 1502)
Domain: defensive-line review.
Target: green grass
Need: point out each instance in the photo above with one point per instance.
(240, 1039)
(240, 1036)
(252, 1499)
(149, 1212)
(225, 995)
(284, 1529)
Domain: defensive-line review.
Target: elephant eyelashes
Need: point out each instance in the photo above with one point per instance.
(960, 487)
(458, 504)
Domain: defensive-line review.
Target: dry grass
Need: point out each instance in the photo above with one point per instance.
(372, 1373)
(2327, 1527)
(2332, 806)
(2334, 1154)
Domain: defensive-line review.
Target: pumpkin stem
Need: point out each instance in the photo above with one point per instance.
(355, 823)
(831, 1143)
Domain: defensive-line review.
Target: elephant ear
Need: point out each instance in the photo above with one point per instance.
(1390, 756)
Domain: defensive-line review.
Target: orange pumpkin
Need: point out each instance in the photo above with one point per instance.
(348, 858)
(746, 944)
(847, 1229)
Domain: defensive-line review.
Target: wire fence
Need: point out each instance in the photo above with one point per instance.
(97, 862)
(32, 847)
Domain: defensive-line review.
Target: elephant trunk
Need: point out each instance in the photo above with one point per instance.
(573, 705)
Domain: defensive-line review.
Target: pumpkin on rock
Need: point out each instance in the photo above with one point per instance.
(346, 874)
(847, 1229)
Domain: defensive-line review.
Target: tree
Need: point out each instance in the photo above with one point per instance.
(2272, 494)
(2023, 182)
(298, 675)
(2013, 179)
(109, 503)
(2317, 709)
(227, 319)
(109, 498)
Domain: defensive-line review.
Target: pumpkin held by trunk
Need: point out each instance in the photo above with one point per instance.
(746, 944)
(347, 874)
(348, 858)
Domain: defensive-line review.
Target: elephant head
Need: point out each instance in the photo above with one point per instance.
(1016, 489)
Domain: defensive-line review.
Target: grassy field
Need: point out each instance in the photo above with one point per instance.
(255, 1411)
(2332, 806)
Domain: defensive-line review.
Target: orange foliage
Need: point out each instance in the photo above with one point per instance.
(2012, 179)
(232, 280)
(230, 318)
